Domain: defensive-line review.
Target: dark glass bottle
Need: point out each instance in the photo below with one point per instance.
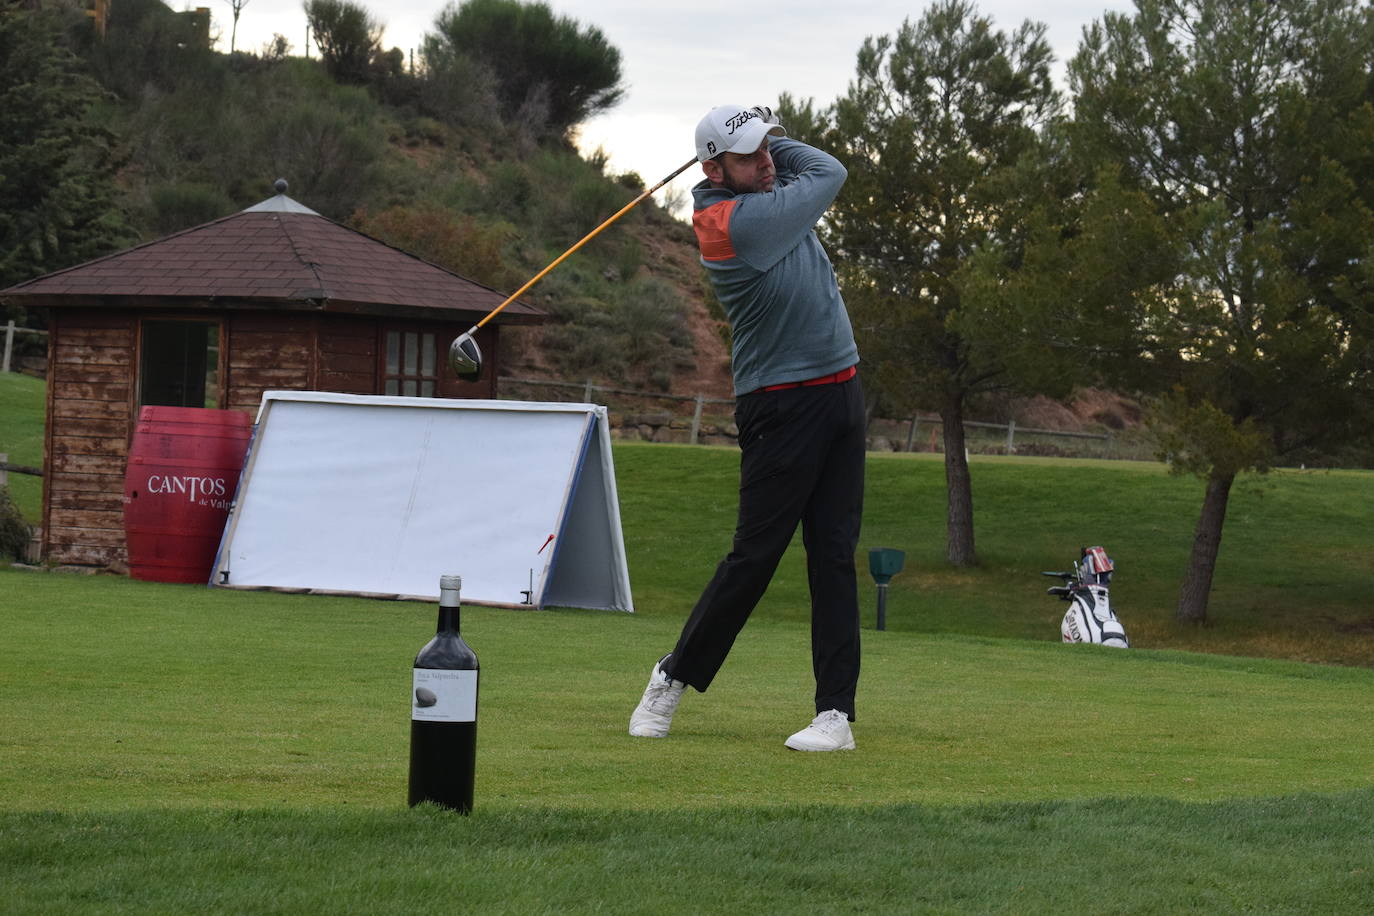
(443, 711)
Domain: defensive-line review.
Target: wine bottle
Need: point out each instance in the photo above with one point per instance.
(443, 711)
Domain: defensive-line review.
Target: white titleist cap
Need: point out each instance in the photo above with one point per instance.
(732, 129)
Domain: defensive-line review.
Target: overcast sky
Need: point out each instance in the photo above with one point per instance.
(681, 58)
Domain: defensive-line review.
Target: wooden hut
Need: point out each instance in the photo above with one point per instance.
(273, 297)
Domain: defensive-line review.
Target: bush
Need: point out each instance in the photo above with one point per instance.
(635, 332)
(425, 130)
(329, 152)
(539, 60)
(149, 47)
(456, 90)
(455, 242)
(279, 120)
(181, 206)
(348, 37)
(14, 531)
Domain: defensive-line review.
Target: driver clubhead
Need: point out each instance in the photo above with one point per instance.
(465, 358)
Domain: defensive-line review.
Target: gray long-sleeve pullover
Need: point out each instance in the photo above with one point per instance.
(769, 270)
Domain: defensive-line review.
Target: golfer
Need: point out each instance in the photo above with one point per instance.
(798, 406)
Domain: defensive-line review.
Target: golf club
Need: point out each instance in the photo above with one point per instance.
(465, 357)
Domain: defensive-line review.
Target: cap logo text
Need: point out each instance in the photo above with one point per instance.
(737, 121)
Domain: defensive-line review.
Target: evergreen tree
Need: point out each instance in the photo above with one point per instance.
(57, 168)
(1246, 127)
(941, 134)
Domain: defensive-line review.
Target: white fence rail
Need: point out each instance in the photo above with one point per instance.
(588, 390)
(10, 331)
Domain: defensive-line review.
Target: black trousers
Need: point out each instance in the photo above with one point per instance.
(802, 461)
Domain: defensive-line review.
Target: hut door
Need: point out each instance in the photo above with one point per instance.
(179, 364)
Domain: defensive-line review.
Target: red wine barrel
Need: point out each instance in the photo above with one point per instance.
(184, 466)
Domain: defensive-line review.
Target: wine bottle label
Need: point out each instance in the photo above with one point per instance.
(441, 695)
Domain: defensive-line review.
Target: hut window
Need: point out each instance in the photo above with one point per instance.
(412, 365)
(179, 364)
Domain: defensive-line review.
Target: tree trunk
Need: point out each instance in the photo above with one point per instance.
(1197, 584)
(958, 490)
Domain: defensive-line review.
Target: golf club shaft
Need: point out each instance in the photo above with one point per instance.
(585, 239)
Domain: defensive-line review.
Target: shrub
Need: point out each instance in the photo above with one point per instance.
(348, 37)
(457, 90)
(455, 242)
(534, 54)
(14, 531)
(634, 332)
(180, 206)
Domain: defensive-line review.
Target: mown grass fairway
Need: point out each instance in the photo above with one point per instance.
(173, 748)
(1302, 854)
(224, 698)
(177, 749)
(1293, 581)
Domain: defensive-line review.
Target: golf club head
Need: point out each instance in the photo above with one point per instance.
(465, 358)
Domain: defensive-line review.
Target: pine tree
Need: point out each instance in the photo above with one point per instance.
(57, 167)
(941, 132)
(1246, 126)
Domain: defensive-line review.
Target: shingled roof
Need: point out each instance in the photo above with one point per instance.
(277, 255)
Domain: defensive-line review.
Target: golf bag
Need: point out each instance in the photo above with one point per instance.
(1089, 617)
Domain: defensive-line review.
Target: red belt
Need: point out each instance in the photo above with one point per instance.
(843, 375)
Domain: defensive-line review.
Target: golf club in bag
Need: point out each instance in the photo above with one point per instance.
(465, 357)
(1089, 617)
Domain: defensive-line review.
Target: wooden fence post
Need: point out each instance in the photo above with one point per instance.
(9, 344)
(1011, 436)
(696, 419)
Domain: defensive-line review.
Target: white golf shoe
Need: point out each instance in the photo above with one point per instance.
(654, 714)
(829, 731)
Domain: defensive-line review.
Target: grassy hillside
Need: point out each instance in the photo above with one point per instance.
(432, 163)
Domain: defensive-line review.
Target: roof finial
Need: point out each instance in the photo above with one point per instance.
(280, 185)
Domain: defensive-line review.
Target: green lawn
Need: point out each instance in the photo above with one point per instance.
(220, 697)
(177, 749)
(21, 437)
(1298, 854)
(1293, 581)
(173, 748)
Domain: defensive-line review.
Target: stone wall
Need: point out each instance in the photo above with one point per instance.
(663, 426)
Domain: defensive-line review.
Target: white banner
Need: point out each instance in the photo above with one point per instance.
(382, 495)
